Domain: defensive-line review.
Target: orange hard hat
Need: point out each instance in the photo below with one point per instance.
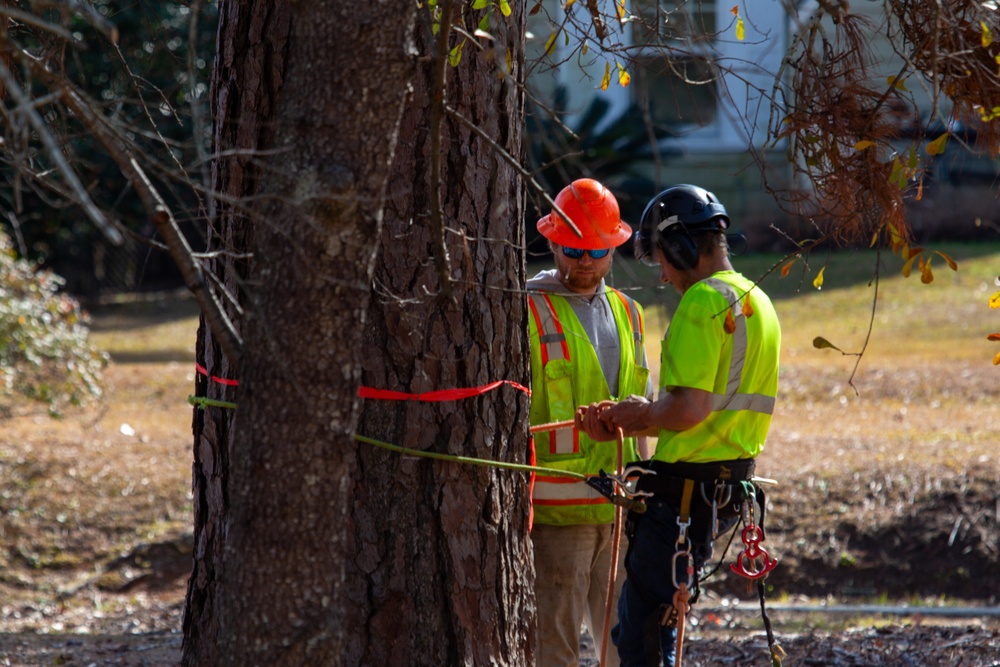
(594, 211)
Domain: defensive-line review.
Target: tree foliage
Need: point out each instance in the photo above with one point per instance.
(842, 125)
(834, 121)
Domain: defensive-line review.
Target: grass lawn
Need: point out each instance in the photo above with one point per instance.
(886, 463)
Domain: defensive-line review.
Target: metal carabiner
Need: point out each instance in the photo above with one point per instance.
(721, 496)
(689, 569)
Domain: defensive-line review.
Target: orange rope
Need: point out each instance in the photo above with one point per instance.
(616, 537)
(681, 598)
(552, 426)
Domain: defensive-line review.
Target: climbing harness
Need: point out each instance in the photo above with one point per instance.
(709, 497)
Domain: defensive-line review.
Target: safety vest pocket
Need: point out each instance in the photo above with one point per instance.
(559, 390)
(640, 377)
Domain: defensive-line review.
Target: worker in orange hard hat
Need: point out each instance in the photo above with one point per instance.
(593, 210)
(586, 341)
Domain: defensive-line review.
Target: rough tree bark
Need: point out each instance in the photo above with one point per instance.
(247, 76)
(308, 97)
(313, 549)
(443, 573)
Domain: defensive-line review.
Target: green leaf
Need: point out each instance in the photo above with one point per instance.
(480, 4)
(897, 166)
(821, 343)
(504, 7)
(455, 55)
(903, 180)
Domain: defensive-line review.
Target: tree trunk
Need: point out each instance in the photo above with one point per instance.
(309, 95)
(442, 572)
(246, 79)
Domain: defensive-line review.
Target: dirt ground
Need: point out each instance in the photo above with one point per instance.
(884, 523)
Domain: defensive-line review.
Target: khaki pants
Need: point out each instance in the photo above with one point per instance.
(572, 568)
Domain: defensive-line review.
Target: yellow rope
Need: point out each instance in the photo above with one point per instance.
(201, 402)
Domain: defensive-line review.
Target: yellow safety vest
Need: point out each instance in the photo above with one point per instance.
(565, 374)
(743, 378)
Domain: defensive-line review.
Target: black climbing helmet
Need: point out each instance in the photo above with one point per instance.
(670, 220)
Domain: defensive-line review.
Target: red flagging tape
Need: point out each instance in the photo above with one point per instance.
(440, 395)
(388, 395)
(214, 378)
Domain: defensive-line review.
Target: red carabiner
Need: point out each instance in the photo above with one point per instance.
(754, 553)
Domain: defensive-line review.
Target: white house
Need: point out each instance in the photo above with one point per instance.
(708, 69)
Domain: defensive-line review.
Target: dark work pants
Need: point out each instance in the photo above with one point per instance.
(650, 581)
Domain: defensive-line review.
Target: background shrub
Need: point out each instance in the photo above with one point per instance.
(45, 353)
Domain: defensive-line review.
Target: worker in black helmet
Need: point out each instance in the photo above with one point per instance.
(718, 382)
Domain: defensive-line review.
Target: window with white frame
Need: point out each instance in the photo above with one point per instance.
(673, 73)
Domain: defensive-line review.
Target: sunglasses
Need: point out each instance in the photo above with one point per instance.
(577, 253)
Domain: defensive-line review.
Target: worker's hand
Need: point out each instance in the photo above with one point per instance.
(630, 414)
(589, 419)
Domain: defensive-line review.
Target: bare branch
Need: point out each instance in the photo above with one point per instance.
(509, 159)
(25, 106)
(95, 18)
(31, 19)
(595, 14)
(157, 210)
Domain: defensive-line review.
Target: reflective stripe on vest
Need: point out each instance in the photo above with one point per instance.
(564, 491)
(564, 440)
(633, 315)
(550, 332)
(553, 345)
(732, 400)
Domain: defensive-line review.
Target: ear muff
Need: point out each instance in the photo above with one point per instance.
(679, 247)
